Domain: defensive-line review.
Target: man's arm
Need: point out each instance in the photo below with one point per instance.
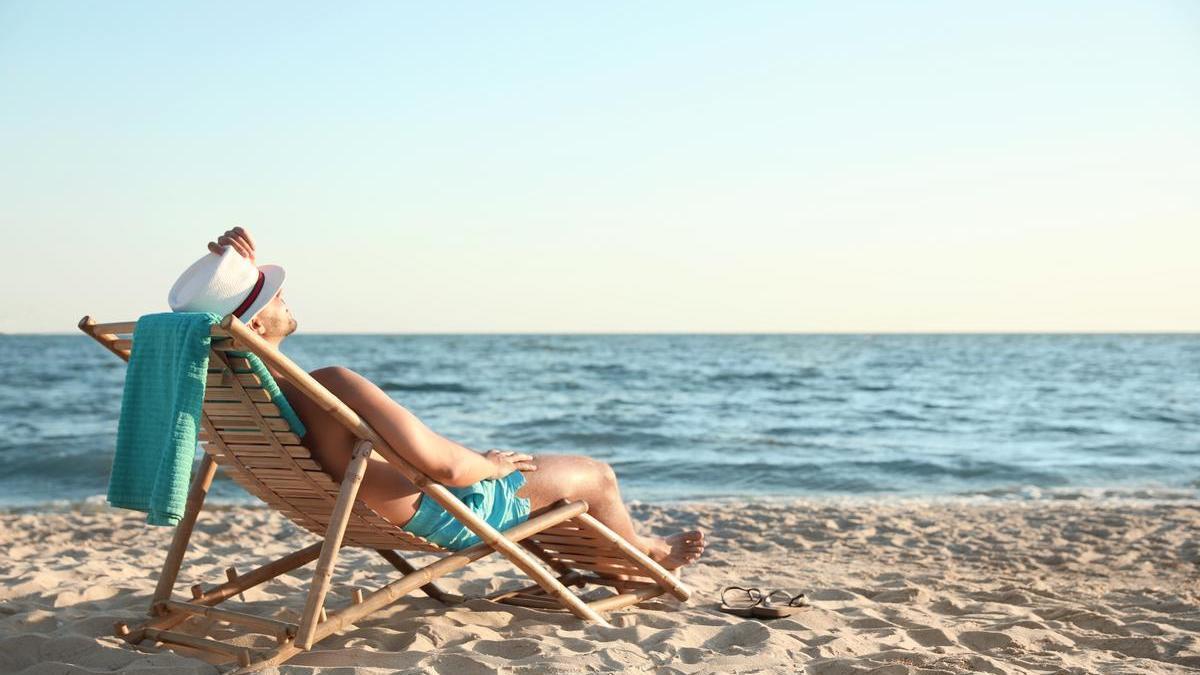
(438, 457)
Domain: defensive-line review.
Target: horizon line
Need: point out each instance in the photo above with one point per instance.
(697, 333)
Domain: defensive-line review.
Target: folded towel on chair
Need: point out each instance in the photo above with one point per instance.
(160, 414)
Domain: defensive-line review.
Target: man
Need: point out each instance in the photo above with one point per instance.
(516, 482)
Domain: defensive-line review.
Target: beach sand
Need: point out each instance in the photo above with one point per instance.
(899, 586)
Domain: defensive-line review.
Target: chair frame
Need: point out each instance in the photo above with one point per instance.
(550, 572)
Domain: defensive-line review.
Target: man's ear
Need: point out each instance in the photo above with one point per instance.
(257, 326)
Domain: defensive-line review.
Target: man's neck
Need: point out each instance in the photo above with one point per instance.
(274, 371)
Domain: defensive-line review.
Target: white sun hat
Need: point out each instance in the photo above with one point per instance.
(225, 284)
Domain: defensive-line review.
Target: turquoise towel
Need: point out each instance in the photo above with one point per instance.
(268, 383)
(160, 414)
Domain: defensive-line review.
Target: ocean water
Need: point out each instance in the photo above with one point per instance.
(706, 416)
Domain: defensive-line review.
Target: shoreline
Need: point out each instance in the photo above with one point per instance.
(921, 587)
(1014, 495)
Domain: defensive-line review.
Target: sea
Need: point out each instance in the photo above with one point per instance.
(699, 417)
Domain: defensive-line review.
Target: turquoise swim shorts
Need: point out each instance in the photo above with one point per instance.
(494, 500)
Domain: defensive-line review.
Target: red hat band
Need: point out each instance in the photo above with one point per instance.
(258, 285)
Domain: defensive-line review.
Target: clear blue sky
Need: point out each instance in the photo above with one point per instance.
(859, 166)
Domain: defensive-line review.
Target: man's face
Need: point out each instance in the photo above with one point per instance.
(275, 320)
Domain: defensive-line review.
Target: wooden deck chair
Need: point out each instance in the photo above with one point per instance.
(244, 433)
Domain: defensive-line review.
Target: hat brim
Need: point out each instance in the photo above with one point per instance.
(272, 282)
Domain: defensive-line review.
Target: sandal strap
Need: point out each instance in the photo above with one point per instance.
(753, 594)
(797, 600)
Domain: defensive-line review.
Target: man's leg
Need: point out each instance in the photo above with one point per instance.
(575, 477)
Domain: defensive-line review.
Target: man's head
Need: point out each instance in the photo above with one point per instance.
(274, 321)
(226, 281)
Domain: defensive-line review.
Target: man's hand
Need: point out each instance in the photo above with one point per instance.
(239, 238)
(506, 462)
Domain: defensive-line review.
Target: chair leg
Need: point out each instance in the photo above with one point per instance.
(219, 594)
(333, 541)
(431, 589)
(183, 530)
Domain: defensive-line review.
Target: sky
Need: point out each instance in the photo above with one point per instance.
(611, 167)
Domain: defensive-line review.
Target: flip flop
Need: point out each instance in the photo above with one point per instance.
(740, 603)
(789, 605)
(751, 603)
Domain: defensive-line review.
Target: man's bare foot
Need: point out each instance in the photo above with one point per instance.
(676, 550)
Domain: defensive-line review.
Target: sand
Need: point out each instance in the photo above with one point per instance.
(902, 586)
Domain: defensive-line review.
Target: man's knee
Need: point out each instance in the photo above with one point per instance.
(589, 476)
(605, 473)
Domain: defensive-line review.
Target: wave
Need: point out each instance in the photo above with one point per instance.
(434, 387)
(1166, 418)
(962, 469)
(900, 415)
(569, 441)
(874, 387)
(778, 377)
(1031, 492)
(561, 385)
(615, 370)
(715, 478)
(49, 461)
(566, 421)
(1037, 427)
(541, 345)
(830, 398)
(801, 430)
(837, 476)
(395, 364)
